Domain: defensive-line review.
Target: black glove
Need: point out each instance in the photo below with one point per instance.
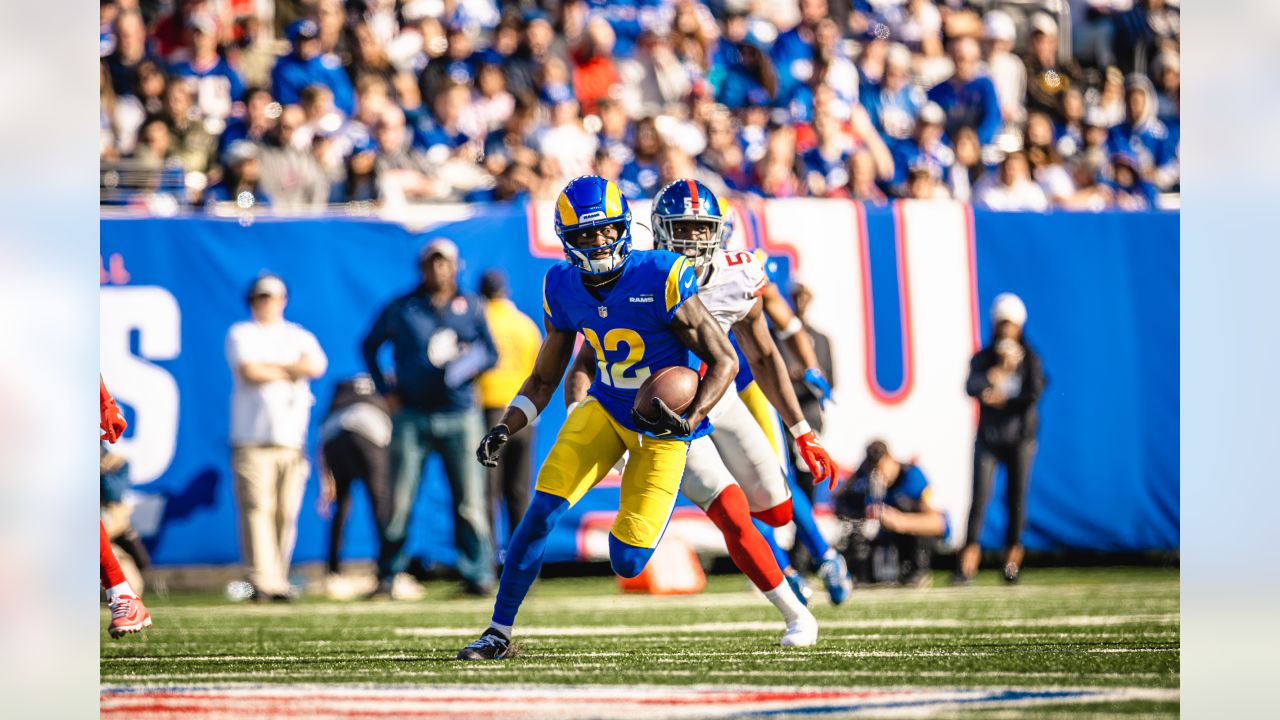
(668, 424)
(491, 445)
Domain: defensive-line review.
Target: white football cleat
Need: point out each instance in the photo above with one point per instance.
(801, 632)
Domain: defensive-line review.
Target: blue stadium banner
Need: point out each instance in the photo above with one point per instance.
(901, 290)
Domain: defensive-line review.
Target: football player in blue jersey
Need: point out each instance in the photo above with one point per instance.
(640, 312)
(733, 474)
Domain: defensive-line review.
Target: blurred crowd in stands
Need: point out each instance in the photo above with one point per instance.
(295, 105)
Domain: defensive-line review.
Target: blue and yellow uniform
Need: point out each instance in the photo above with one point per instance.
(629, 327)
(628, 324)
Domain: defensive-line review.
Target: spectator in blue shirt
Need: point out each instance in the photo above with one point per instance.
(640, 177)
(515, 141)
(615, 134)
(440, 342)
(925, 148)
(1144, 135)
(1166, 70)
(240, 179)
(1129, 191)
(793, 51)
(457, 65)
(824, 164)
(891, 519)
(442, 138)
(894, 102)
(626, 17)
(1143, 29)
(749, 80)
(306, 65)
(969, 97)
(217, 84)
(256, 122)
(1069, 133)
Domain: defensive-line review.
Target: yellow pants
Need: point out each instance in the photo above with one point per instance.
(763, 412)
(589, 444)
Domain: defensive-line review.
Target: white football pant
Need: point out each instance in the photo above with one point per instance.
(737, 451)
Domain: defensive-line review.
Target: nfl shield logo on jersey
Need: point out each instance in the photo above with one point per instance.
(604, 311)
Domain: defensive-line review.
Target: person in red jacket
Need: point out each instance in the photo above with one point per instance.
(128, 614)
(595, 76)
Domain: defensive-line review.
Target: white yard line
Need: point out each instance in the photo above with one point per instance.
(1161, 594)
(776, 653)
(718, 627)
(559, 670)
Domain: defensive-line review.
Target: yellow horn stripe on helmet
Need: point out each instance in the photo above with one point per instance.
(567, 214)
(612, 200)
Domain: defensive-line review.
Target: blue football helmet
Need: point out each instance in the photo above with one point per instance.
(682, 201)
(591, 201)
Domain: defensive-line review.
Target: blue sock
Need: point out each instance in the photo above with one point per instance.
(806, 527)
(524, 554)
(779, 554)
(627, 560)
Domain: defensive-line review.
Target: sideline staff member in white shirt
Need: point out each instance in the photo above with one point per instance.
(272, 362)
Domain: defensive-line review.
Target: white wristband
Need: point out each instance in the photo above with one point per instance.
(526, 406)
(800, 428)
(792, 328)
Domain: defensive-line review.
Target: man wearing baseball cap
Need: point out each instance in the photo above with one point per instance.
(1007, 379)
(307, 65)
(272, 363)
(440, 342)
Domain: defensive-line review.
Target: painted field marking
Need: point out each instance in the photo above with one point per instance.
(573, 703)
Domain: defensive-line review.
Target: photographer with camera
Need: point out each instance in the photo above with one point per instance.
(892, 524)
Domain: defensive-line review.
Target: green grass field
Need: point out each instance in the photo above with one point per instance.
(1076, 629)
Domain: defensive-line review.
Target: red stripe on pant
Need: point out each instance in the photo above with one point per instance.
(109, 566)
(747, 547)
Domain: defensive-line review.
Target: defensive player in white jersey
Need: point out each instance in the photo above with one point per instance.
(733, 474)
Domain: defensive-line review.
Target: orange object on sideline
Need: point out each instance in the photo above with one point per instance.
(673, 570)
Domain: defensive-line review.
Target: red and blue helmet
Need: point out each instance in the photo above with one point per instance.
(591, 201)
(682, 201)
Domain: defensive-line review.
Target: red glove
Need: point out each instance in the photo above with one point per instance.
(113, 424)
(816, 457)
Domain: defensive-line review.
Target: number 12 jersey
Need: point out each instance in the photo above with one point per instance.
(628, 325)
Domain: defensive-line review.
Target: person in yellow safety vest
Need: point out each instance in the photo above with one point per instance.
(517, 338)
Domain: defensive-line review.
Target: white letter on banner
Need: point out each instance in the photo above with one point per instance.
(149, 390)
(929, 419)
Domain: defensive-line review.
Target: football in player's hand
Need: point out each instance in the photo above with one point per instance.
(676, 386)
